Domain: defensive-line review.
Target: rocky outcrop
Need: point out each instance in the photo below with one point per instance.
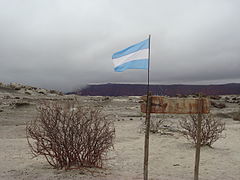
(233, 99)
(29, 90)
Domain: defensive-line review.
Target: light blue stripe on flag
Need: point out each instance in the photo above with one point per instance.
(136, 47)
(133, 57)
(137, 64)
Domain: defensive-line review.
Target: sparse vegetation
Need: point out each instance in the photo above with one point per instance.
(211, 129)
(69, 135)
(156, 124)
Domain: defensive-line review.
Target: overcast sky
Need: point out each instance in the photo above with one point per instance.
(66, 44)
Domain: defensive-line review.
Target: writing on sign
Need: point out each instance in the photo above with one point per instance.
(166, 105)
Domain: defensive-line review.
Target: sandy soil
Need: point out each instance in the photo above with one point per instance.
(171, 156)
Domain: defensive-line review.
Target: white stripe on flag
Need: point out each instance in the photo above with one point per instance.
(141, 54)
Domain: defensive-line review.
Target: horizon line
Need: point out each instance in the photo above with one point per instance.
(139, 83)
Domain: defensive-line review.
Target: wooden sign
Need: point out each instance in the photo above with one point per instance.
(166, 105)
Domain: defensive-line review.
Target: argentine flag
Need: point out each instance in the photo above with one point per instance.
(133, 57)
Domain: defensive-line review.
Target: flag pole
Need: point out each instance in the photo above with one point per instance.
(149, 44)
(147, 122)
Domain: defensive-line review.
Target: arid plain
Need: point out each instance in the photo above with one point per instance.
(171, 155)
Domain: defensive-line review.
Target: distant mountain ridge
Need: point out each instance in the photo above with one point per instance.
(169, 90)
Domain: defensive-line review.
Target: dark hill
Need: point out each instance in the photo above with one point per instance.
(170, 90)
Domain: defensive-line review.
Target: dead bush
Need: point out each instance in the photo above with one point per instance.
(211, 129)
(156, 124)
(70, 136)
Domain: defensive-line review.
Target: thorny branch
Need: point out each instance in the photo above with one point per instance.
(69, 135)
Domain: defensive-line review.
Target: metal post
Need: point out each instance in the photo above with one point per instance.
(198, 145)
(146, 146)
(147, 122)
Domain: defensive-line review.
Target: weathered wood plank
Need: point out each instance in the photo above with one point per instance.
(166, 105)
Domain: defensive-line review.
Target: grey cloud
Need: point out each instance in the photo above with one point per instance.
(67, 44)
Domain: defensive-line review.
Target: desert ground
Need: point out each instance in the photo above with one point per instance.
(171, 155)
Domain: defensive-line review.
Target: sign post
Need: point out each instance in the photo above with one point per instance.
(198, 145)
(165, 105)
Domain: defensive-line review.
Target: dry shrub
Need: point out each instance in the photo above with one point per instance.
(70, 136)
(156, 124)
(211, 129)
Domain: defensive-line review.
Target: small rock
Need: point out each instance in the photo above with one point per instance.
(236, 116)
(29, 88)
(105, 99)
(215, 97)
(6, 97)
(218, 105)
(227, 98)
(20, 104)
(15, 86)
(176, 164)
(55, 92)
(42, 91)
(28, 92)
